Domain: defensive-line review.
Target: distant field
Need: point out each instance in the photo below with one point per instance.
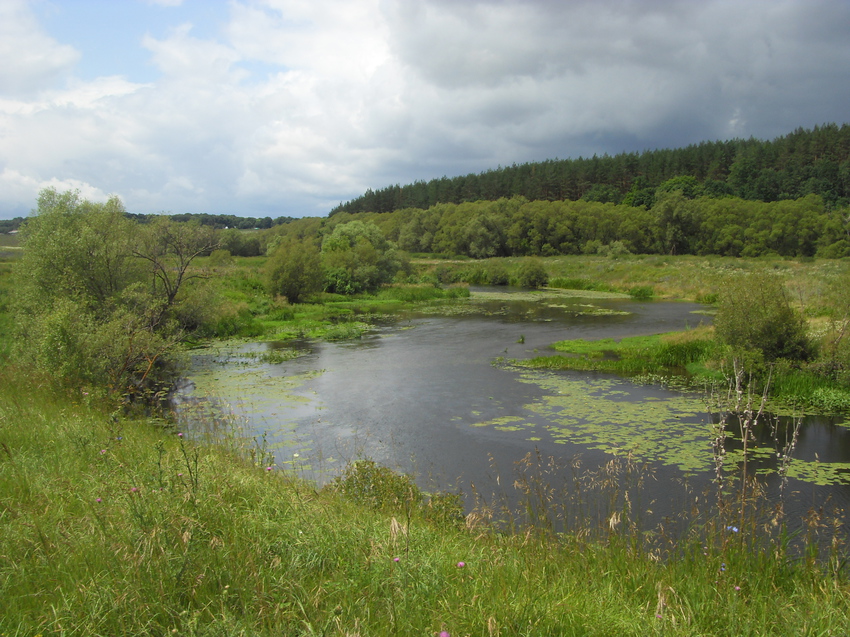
(9, 240)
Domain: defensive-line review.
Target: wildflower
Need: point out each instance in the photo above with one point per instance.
(444, 633)
(179, 475)
(734, 529)
(737, 588)
(722, 566)
(461, 564)
(134, 489)
(396, 559)
(179, 434)
(103, 451)
(98, 500)
(268, 468)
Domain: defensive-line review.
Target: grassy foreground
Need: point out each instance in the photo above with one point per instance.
(113, 527)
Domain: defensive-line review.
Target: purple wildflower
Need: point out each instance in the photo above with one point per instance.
(98, 500)
(461, 564)
(396, 559)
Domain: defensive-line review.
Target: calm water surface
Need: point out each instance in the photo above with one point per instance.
(429, 395)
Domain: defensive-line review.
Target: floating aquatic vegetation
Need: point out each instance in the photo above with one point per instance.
(617, 417)
(604, 414)
(820, 473)
(548, 294)
(586, 309)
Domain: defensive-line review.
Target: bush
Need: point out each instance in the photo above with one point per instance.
(755, 313)
(220, 258)
(531, 274)
(642, 292)
(498, 274)
(98, 299)
(367, 482)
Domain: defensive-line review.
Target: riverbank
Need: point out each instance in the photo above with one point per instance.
(115, 526)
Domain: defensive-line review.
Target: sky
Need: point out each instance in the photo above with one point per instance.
(289, 107)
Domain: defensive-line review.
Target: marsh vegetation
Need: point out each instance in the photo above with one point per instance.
(119, 518)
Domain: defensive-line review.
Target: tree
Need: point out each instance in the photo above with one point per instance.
(755, 314)
(358, 258)
(95, 293)
(294, 270)
(687, 184)
(78, 248)
(169, 248)
(80, 304)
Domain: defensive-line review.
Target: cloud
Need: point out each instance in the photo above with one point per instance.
(30, 60)
(295, 105)
(20, 189)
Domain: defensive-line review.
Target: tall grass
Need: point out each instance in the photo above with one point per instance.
(660, 354)
(419, 293)
(120, 527)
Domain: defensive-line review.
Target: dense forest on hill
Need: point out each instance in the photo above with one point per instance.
(804, 162)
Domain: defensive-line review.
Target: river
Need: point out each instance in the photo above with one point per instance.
(431, 394)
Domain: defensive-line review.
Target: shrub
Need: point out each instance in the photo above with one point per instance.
(531, 274)
(831, 399)
(220, 258)
(358, 258)
(367, 482)
(642, 292)
(755, 313)
(498, 275)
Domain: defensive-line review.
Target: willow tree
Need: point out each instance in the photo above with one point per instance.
(93, 292)
(357, 258)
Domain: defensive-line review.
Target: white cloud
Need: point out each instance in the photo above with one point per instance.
(298, 104)
(20, 191)
(30, 60)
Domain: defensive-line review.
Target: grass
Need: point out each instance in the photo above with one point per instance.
(681, 277)
(114, 526)
(674, 353)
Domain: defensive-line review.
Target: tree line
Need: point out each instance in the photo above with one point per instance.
(219, 221)
(806, 161)
(676, 223)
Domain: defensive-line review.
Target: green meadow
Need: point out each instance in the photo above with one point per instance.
(117, 526)
(114, 522)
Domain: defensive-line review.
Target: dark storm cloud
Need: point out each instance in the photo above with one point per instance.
(295, 105)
